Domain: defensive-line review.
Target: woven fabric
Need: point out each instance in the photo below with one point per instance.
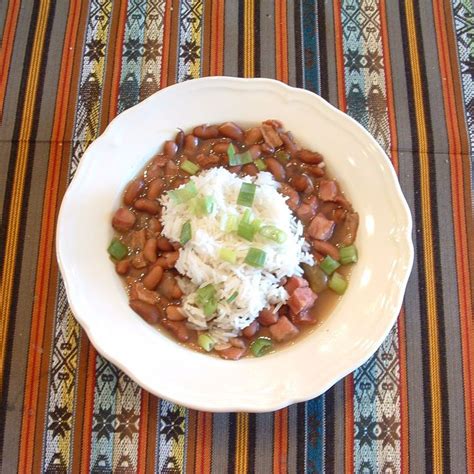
(403, 69)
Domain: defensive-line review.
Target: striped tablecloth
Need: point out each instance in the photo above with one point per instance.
(402, 68)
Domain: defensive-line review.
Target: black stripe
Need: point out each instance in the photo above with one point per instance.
(329, 431)
(251, 442)
(438, 270)
(232, 442)
(419, 244)
(298, 45)
(300, 436)
(241, 19)
(256, 26)
(27, 185)
(323, 53)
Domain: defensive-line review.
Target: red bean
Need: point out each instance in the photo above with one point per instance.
(147, 311)
(168, 260)
(250, 169)
(153, 228)
(175, 313)
(153, 172)
(139, 261)
(155, 188)
(310, 157)
(301, 182)
(205, 161)
(147, 205)
(290, 146)
(179, 138)
(232, 353)
(293, 196)
(252, 136)
(132, 191)
(122, 267)
(206, 132)
(232, 131)
(137, 239)
(123, 219)
(171, 169)
(190, 143)
(326, 248)
(178, 328)
(275, 168)
(149, 251)
(221, 147)
(255, 151)
(139, 292)
(160, 160)
(267, 149)
(153, 277)
(315, 170)
(164, 244)
(276, 124)
(170, 148)
(250, 330)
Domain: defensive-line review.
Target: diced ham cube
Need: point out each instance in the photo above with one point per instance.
(139, 292)
(250, 330)
(328, 190)
(295, 282)
(305, 317)
(321, 228)
(307, 210)
(232, 353)
(270, 135)
(267, 317)
(301, 299)
(283, 330)
(123, 220)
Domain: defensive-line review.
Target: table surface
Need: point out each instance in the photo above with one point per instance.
(403, 69)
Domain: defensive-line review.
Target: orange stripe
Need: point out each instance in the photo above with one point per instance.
(6, 50)
(341, 87)
(166, 45)
(117, 68)
(281, 41)
(349, 424)
(280, 441)
(219, 47)
(457, 190)
(143, 432)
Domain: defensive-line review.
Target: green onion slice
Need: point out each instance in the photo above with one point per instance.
(206, 298)
(282, 156)
(189, 167)
(337, 283)
(231, 154)
(245, 157)
(184, 194)
(228, 255)
(203, 206)
(232, 297)
(260, 164)
(246, 194)
(206, 342)
(348, 254)
(329, 265)
(186, 233)
(117, 250)
(246, 231)
(231, 223)
(273, 233)
(261, 346)
(255, 257)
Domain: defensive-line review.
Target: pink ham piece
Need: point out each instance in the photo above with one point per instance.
(283, 330)
(321, 228)
(328, 190)
(301, 299)
(293, 283)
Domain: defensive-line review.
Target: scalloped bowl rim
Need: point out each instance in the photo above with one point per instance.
(218, 398)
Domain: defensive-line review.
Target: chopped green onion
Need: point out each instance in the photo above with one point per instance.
(117, 250)
(206, 342)
(348, 254)
(231, 223)
(206, 293)
(282, 156)
(209, 308)
(247, 217)
(257, 224)
(189, 167)
(203, 206)
(273, 233)
(329, 265)
(261, 346)
(186, 233)
(337, 283)
(260, 164)
(246, 231)
(255, 257)
(245, 157)
(232, 297)
(184, 194)
(228, 255)
(231, 154)
(246, 194)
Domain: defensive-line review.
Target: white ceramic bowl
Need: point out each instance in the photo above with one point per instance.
(346, 339)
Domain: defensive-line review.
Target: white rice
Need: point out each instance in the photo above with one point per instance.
(199, 259)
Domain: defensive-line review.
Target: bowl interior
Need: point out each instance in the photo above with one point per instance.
(340, 344)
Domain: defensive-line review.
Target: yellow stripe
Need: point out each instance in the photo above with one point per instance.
(249, 39)
(195, 68)
(428, 244)
(19, 181)
(242, 443)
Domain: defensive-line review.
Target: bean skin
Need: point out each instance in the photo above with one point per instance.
(205, 132)
(147, 311)
(164, 244)
(276, 169)
(149, 251)
(132, 191)
(175, 313)
(147, 205)
(123, 219)
(179, 138)
(170, 148)
(190, 143)
(232, 131)
(155, 188)
(153, 277)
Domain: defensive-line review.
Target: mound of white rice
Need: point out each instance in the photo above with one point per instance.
(199, 258)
